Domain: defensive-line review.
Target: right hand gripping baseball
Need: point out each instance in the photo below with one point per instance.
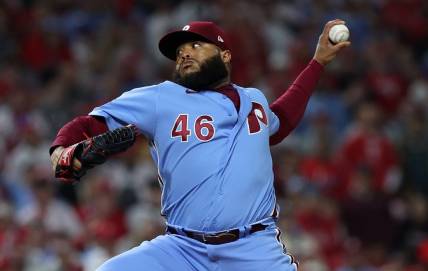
(326, 51)
(92, 152)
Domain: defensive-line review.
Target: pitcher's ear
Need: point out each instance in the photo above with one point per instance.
(226, 56)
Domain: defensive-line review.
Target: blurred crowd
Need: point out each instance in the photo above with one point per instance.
(351, 180)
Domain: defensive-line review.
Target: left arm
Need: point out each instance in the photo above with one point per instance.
(291, 105)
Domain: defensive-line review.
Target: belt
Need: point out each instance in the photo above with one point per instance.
(216, 238)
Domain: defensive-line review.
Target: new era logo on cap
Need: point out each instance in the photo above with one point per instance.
(194, 31)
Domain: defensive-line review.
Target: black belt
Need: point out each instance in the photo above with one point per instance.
(217, 238)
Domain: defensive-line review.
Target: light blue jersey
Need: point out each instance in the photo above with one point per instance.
(214, 163)
(216, 174)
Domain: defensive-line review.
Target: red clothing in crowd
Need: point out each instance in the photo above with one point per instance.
(373, 152)
(323, 173)
(105, 221)
(389, 90)
(323, 223)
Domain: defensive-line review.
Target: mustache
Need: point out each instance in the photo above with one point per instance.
(187, 61)
(211, 71)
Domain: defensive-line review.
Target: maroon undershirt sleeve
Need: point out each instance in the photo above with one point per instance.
(79, 129)
(291, 105)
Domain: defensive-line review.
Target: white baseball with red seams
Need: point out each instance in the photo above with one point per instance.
(338, 33)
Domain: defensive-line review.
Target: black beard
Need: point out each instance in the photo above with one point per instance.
(212, 71)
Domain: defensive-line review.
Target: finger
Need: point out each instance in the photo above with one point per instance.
(329, 24)
(341, 45)
(76, 164)
(55, 156)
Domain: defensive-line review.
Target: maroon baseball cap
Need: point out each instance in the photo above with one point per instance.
(194, 31)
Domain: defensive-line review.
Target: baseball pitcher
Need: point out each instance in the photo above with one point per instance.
(210, 140)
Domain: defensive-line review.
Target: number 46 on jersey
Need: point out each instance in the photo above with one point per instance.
(204, 129)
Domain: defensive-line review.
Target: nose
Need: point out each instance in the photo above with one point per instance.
(185, 52)
(183, 56)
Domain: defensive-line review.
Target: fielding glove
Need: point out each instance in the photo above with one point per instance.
(92, 152)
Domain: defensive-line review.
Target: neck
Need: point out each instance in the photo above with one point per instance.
(221, 83)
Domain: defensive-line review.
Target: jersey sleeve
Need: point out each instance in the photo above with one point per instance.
(137, 106)
(274, 122)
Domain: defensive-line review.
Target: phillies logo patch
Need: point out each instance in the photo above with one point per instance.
(256, 116)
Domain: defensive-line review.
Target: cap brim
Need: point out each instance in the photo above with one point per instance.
(170, 42)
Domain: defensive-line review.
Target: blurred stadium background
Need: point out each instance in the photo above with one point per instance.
(352, 180)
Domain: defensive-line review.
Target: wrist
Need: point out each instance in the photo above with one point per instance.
(319, 61)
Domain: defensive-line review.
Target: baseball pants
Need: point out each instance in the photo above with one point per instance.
(259, 251)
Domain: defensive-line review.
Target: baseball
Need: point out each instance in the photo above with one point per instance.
(338, 33)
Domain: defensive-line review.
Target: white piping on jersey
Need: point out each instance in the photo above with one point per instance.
(278, 239)
(275, 210)
(160, 179)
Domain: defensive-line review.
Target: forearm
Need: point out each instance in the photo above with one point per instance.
(291, 105)
(84, 143)
(73, 132)
(79, 129)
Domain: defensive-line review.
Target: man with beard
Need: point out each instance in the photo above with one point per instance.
(210, 140)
